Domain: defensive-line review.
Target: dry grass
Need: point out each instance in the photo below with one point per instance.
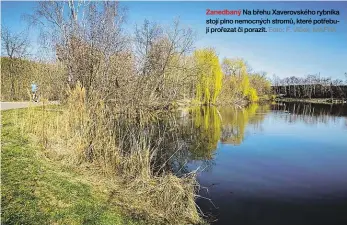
(95, 141)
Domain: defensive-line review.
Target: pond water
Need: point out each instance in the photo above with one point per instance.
(284, 163)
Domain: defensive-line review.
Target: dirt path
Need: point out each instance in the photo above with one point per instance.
(17, 105)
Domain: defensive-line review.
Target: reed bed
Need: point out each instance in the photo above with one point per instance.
(104, 144)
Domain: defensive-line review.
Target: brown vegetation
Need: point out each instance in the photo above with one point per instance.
(113, 87)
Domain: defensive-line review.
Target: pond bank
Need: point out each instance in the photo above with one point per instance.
(36, 190)
(145, 196)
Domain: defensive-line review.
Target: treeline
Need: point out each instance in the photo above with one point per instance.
(153, 67)
(311, 86)
(226, 83)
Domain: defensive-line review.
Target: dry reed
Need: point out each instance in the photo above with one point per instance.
(93, 140)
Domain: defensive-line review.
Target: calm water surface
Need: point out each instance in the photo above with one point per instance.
(277, 164)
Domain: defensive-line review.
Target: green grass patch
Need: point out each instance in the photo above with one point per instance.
(37, 191)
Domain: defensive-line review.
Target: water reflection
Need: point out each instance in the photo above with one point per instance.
(194, 134)
(191, 135)
(227, 125)
(257, 162)
(286, 159)
(210, 125)
(311, 109)
(236, 120)
(200, 129)
(207, 123)
(309, 113)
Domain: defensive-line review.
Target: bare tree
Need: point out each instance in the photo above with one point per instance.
(14, 45)
(158, 53)
(86, 37)
(145, 38)
(275, 83)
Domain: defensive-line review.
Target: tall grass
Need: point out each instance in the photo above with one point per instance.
(118, 150)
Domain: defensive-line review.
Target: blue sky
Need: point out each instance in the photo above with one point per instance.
(283, 54)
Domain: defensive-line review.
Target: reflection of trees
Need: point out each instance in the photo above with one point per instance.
(236, 120)
(175, 141)
(226, 124)
(309, 113)
(208, 124)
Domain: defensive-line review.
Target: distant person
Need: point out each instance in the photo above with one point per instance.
(34, 91)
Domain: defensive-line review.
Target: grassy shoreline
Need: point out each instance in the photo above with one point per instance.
(99, 196)
(38, 191)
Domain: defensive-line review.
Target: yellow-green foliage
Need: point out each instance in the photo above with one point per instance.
(239, 84)
(252, 95)
(245, 87)
(208, 121)
(209, 76)
(235, 122)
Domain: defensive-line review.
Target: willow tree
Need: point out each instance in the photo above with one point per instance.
(252, 95)
(209, 75)
(245, 86)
